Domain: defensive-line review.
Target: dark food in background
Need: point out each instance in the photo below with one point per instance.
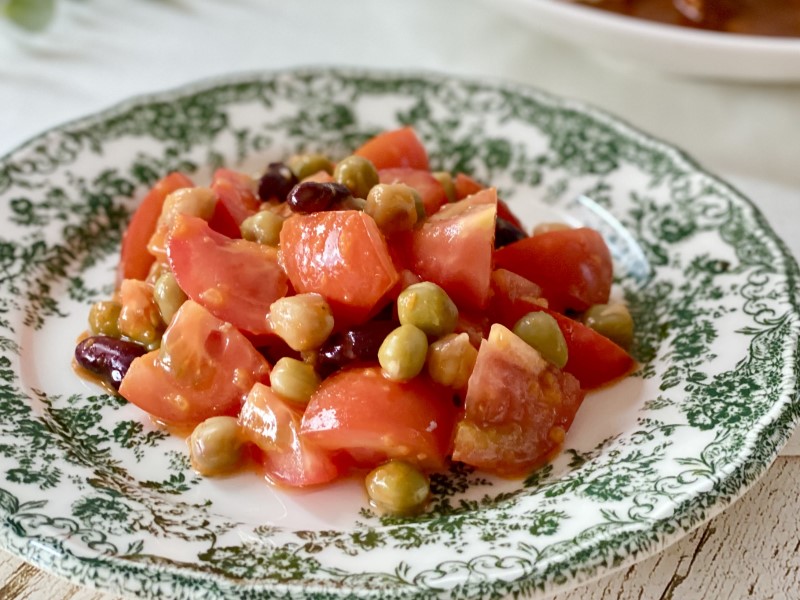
(755, 17)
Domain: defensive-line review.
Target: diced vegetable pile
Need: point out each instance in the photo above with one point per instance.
(367, 315)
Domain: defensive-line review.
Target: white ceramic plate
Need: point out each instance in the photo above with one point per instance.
(654, 46)
(91, 490)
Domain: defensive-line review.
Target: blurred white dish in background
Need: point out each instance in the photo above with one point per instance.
(662, 47)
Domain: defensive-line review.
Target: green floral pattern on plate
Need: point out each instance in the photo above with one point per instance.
(92, 490)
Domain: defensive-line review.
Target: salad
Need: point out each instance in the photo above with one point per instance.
(368, 315)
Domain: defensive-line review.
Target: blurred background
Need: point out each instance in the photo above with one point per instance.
(94, 53)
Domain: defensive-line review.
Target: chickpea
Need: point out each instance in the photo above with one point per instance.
(303, 321)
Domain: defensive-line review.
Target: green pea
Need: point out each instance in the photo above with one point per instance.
(294, 379)
(541, 331)
(168, 295)
(215, 446)
(358, 174)
(428, 307)
(397, 488)
(392, 206)
(614, 321)
(402, 353)
(306, 165)
(103, 317)
(263, 227)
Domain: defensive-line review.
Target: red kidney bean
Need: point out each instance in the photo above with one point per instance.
(276, 182)
(359, 344)
(312, 196)
(505, 233)
(107, 357)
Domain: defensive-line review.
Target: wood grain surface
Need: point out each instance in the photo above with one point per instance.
(750, 551)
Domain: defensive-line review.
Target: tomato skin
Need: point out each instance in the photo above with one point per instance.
(135, 260)
(343, 256)
(431, 191)
(204, 368)
(518, 407)
(453, 249)
(236, 280)
(594, 360)
(466, 186)
(236, 200)
(398, 148)
(273, 425)
(374, 418)
(572, 266)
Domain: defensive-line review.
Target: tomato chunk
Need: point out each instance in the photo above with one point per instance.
(518, 407)
(593, 359)
(466, 185)
(236, 200)
(273, 425)
(572, 266)
(135, 260)
(343, 256)
(454, 249)
(399, 148)
(431, 191)
(204, 368)
(374, 418)
(236, 280)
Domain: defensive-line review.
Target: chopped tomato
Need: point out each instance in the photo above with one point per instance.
(399, 148)
(135, 260)
(374, 418)
(593, 359)
(236, 280)
(466, 186)
(204, 368)
(343, 256)
(572, 266)
(273, 425)
(453, 249)
(429, 188)
(236, 200)
(510, 291)
(518, 407)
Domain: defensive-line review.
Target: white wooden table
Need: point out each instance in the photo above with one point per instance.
(100, 52)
